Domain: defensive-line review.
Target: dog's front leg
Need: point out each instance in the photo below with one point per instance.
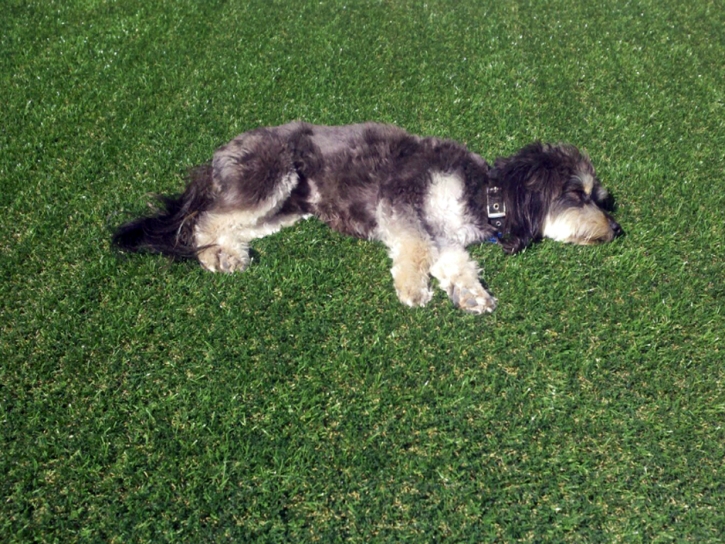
(412, 252)
(457, 275)
(412, 258)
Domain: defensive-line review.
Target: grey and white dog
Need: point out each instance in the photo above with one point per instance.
(426, 199)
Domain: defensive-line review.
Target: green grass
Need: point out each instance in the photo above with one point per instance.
(143, 401)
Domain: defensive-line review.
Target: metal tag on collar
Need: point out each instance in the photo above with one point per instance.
(495, 206)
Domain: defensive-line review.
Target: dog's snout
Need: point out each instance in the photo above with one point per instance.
(616, 227)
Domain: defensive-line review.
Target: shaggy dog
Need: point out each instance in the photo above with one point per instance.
(426, 199)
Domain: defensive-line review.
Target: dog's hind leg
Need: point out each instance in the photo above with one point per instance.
(223, 238)
(253, 177)
(457, 275)
(412, 252)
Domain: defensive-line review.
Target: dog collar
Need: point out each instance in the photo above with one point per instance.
(495, 208)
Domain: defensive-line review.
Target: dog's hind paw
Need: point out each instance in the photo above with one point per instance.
(476, 301)
(217, 259)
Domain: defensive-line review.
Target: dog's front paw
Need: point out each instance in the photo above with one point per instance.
(219, 259)
(414, 296)
(475, 301)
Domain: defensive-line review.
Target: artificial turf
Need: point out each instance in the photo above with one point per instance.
(149, 401)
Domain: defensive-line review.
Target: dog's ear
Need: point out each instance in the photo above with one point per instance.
(529, 179)
(517, 236)
(526, 210)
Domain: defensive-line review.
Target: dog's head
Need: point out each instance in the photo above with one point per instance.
(552, 191)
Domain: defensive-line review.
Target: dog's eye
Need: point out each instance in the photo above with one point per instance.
(603, 199)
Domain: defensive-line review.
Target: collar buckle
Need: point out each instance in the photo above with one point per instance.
(495, 206)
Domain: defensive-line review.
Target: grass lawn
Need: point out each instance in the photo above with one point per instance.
(149, 401)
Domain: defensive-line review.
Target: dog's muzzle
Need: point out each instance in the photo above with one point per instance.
(616, 227)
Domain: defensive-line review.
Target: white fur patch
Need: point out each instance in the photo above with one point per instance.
(228, 229)
(584, 225)
(445, 210)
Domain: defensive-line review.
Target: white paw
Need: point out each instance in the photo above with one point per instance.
(475, 301)
(415, 296)
(226, 260)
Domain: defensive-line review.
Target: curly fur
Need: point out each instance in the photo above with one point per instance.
(424, 198)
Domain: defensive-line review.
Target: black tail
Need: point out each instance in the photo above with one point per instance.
(171, 231)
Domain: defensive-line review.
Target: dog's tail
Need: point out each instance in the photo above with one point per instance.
(171, 230)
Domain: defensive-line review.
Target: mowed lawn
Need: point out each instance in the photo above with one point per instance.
(143, 400)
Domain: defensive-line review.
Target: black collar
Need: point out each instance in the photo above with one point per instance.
(495, 208)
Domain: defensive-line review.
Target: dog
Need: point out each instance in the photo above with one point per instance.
(425, 198)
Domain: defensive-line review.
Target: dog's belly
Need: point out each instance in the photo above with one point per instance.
(345, 209)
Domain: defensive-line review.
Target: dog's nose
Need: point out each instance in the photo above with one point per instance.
(616, 227)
